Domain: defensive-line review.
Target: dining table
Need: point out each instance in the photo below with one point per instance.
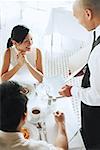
(45, 97)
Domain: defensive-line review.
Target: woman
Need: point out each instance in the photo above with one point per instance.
(21, 57)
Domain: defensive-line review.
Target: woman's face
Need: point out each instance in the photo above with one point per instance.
(26, 44)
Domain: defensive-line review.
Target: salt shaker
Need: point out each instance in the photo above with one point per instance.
(49, 100)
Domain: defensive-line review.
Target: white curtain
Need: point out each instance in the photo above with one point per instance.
(33, 13)
(62, 21)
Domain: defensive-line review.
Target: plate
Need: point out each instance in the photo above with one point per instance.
(33, 131)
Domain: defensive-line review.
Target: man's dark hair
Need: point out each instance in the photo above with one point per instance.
(94, 5)
(13, 105)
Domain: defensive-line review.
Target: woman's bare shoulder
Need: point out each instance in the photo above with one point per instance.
(7, 52)
(38, 49)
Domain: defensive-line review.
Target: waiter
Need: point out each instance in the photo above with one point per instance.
(88, 14)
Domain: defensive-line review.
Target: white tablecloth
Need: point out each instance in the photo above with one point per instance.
(62, 104)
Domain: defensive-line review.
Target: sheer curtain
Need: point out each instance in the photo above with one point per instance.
(34, 14)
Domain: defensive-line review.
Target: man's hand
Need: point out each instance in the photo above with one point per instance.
(59, 117)
(61, 139)
(65, 91)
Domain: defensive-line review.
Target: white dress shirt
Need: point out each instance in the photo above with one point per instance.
(16, 141)
(91, 95)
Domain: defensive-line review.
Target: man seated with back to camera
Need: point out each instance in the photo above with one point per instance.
(13, 114)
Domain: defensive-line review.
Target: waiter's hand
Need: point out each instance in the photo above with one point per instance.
(65, 91)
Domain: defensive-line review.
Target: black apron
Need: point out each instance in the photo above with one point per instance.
(90, 115)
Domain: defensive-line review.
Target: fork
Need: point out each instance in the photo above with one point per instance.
(44, 131)
(38, 125)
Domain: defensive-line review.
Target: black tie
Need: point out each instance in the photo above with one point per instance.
(86, 78)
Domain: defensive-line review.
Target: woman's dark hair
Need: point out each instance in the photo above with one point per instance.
(13, 105)
(18, 34)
